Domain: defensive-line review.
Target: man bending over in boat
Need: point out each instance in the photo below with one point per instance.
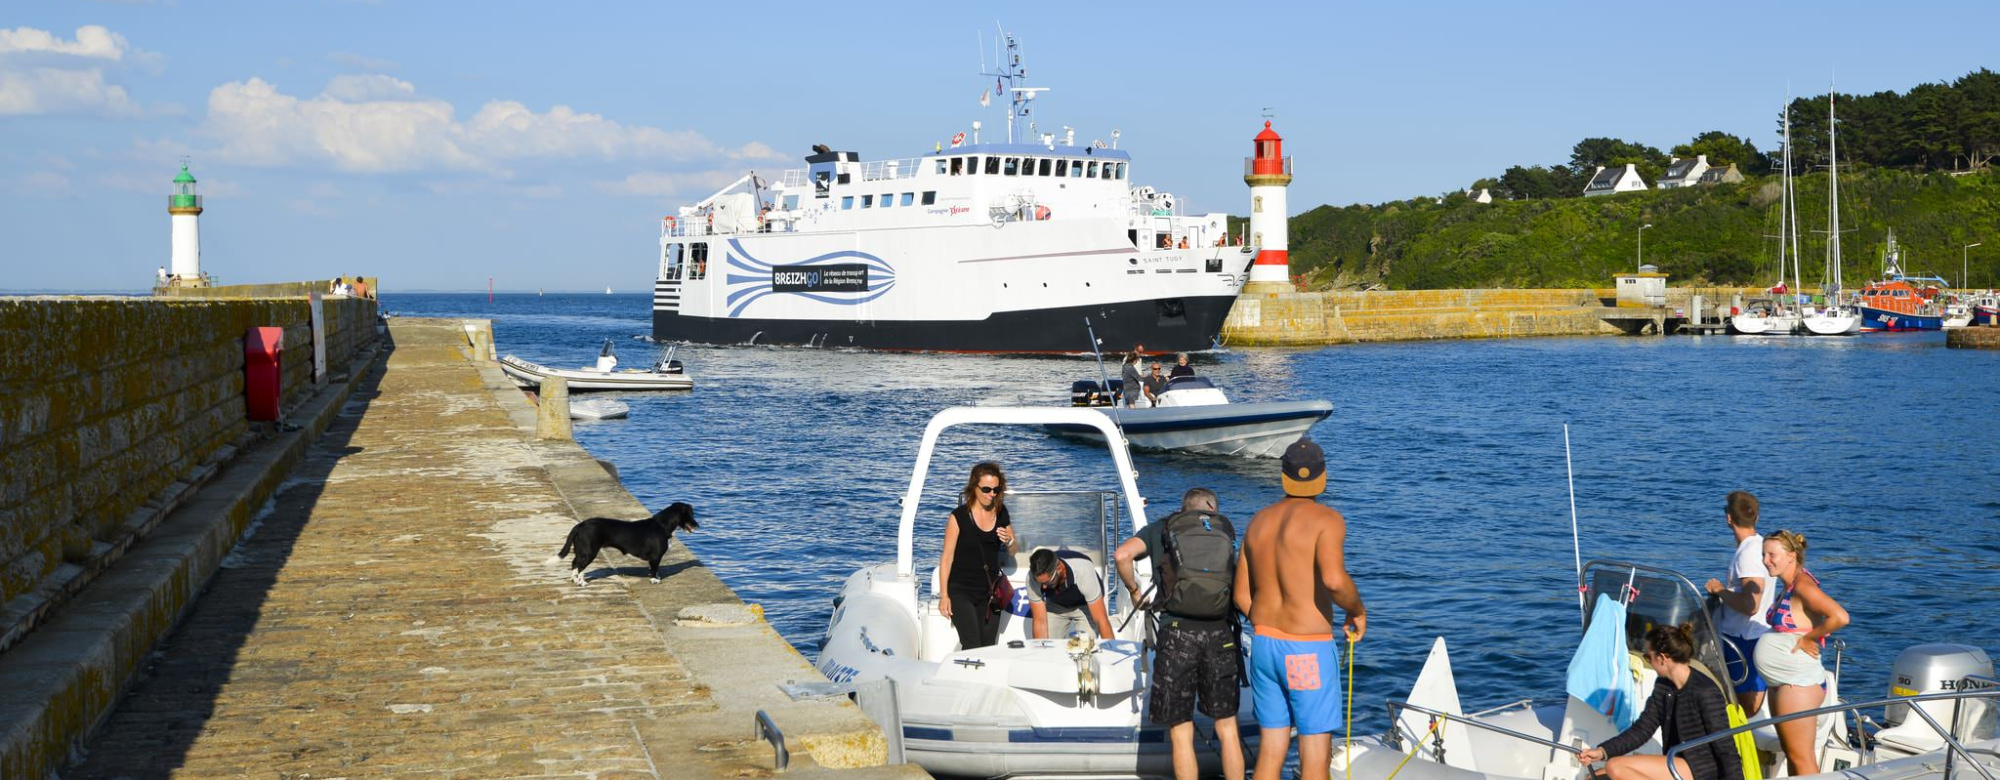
(1065, 590)
(1288, 577)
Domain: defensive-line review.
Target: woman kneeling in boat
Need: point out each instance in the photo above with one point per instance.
(1684, 706)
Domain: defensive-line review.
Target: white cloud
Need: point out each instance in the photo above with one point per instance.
(375, 124)
(41, 73)
(45, 90)
(663, 183)
(92, 41)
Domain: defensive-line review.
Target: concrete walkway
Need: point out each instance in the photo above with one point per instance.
(392, 615)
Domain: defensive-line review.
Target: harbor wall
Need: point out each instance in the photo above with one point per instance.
(113, 410)
(268, 290)
(1349, 316)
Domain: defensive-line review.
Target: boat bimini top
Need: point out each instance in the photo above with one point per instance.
(1121, 458)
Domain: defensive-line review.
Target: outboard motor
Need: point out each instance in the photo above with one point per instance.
(606, 360)
(1084, 392)
(1935, 668)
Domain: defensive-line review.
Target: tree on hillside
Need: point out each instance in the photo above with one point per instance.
(1612, 152)
(1980, 135)
(1519, 183)
(1723, 149)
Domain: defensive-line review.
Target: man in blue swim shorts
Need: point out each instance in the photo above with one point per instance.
(1745, 596)
(1289, 576)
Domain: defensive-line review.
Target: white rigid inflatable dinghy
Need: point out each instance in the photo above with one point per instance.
(1193, 415)
(1432, 737)
(665, 373)
(1024, 707)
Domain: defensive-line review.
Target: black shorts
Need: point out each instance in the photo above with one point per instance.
(1191, 661)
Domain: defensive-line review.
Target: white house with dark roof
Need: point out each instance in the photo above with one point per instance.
(1614, 180)
(1483, 195)
(1684, 173)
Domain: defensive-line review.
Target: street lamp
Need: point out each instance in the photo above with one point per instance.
(1963, 253)
(1642, 245)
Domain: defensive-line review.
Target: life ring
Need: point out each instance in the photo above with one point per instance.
(958, 140)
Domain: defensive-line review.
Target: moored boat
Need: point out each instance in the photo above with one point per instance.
(1899, 301)
(665, 373)
(1023, 707)
(1193, 415)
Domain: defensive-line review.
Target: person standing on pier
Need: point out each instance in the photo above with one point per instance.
(1744, 597)
(1288, 577)
(1800, 617)
(976, 537)
(1197, 656)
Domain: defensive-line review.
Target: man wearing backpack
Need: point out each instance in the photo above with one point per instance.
(1194, 560)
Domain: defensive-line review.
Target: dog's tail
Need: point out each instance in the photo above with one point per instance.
(568, 541)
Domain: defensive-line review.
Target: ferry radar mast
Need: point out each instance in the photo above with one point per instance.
(1012, 78)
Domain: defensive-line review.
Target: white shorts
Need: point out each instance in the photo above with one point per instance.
(1782, 665)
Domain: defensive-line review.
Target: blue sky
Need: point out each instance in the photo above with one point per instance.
(435, 144)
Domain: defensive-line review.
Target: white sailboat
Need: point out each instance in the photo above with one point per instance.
(1837, 318)
(1783, 317)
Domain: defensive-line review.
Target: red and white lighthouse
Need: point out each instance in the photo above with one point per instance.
(1268, 172)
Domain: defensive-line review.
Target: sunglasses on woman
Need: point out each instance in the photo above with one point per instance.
(991, 489)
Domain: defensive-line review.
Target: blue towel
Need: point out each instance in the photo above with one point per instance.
(1600, 674)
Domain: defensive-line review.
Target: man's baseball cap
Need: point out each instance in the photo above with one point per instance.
(1304, 468)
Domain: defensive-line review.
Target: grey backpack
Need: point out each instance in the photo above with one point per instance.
(1197, 565)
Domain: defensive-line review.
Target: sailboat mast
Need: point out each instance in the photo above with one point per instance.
(1833, 186)
(1789, 216)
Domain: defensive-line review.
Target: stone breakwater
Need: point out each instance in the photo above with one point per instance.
(373, 601)
(1344, 317)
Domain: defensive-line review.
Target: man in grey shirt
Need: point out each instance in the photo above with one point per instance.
(1065, 590)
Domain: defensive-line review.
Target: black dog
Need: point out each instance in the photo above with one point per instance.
(645, 539)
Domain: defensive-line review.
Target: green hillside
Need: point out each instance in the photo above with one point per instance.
(1715, 235)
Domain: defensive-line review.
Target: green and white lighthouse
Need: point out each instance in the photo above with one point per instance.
(183, 208)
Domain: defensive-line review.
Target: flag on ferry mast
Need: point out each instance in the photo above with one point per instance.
(985, 98)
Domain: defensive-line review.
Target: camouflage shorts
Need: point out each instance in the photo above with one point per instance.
(1191, 662)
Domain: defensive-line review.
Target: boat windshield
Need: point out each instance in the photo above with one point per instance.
(1657, 597)
(1078, 520)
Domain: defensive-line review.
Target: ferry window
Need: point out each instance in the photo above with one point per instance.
(791, 202)
(1076, 169)
(670, 266)
(1013, 166)
(847, 201)
(846, 178)
(1121, 171)
(1092, 173)
(992, 165)
(930, 197)
(1045, 167)
(957, 165)
(1062, 167)
(909, 198)
(888, 199)
(940, 166)
(698, 260)
(867, 201)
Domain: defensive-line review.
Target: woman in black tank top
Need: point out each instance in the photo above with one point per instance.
(976, 538)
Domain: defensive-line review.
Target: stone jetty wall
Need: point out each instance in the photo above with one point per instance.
(113, 409)
(1346, 316)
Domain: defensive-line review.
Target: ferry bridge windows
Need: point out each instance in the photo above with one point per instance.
(867, 201)
(670, 262)
(846, 202)
(1076, 169)
(1013, 166)
(698, 260)
(791, 202)
(1062, 167)
(930, 197)
(1092, 170)
(992, 165)
(888, 199)
(909, 198)
(957, 165)
(940, 166)
(1045, 167)
(1121, 171)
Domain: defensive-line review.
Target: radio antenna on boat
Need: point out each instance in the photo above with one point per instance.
(1010, 78)
(1576, 545)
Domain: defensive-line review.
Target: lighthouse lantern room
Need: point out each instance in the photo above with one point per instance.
(1268, 172)
(183, 208)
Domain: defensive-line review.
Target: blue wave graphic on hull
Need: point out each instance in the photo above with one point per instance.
(745, 290)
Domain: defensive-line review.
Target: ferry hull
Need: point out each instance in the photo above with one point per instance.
(1059, 330)
(1883, 319)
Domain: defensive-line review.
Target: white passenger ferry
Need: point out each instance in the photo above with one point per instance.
(979, 247)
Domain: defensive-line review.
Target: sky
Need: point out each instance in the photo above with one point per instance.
(437, 144)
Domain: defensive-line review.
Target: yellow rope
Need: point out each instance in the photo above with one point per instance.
(1436, 724)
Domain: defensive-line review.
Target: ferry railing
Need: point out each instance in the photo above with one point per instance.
(1397, 706)
(1953, 748)
(793, 179)
(890, 170)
